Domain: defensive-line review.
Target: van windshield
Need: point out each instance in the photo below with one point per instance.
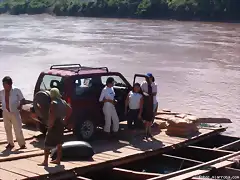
(51, 81)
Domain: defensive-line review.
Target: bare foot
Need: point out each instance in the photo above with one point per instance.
(55, 162)
(43, 164)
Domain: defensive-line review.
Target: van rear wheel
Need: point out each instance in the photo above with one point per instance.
(85, 130)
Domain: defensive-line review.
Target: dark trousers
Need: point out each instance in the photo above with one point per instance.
(132, 119)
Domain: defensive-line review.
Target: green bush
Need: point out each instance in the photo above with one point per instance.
(3, 7)
(38, 6)
(178, 9)
(17, 7)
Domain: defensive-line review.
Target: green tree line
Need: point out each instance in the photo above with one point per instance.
(163, 9)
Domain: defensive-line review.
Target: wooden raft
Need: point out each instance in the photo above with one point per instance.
(23, 164)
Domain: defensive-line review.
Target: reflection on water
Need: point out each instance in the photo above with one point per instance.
(196, 64)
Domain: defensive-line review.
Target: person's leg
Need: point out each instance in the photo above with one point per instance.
(130, 119)
(115, 119)
(107, 115)
(8, 128)
(150, 129)
(146, 129)
(46, 154)
(59, 155)
(155, 107)
(17, 126)
(136, 120)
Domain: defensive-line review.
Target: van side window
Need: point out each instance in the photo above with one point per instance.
(82, 86)
(118, 81)
(51, 81)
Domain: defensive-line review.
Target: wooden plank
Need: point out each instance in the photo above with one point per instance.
(214, 120)
(199, 178)
(181, 158)
(105, 157)
(209, 149)
(133, 174)
(23, 164)
(18, 169)
(67, 164)
(20, 156)
(8, 153)
(222, 164)
(26, 165)
(200, 172)
(7, 175)
(230, 145)
(189, 175)
(170, 175)
(82, 178)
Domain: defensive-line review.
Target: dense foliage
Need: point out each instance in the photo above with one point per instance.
(177, 9)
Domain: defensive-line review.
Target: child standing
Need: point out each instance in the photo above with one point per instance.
(134, 102)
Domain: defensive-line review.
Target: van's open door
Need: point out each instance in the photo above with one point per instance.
(148, 98)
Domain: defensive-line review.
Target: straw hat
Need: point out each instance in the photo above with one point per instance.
(54, 93)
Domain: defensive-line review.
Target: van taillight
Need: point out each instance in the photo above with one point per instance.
(69, 100)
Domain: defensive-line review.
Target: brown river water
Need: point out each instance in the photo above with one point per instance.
(196, 64)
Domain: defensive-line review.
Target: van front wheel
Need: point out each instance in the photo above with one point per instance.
(85, 130)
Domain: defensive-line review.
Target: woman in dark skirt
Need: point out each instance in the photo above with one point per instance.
(59, 110)
(134, 102)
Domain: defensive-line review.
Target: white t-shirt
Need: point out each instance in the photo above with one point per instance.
(14, 99)
(144, 87)
(107, 93)
(134, 100)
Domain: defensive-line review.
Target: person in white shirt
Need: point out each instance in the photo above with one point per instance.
(108, 98)
(144, 87)
(134, 102)
(12, 100)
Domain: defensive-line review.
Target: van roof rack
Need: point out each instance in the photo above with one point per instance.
(75, 67)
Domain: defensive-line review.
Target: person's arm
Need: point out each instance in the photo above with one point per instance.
(52, 116)
(126, 103)
(1, 97)
(154, 90)
(101, 98)
(141, 108)
(144, 89)
(69, 112)
(21, 99)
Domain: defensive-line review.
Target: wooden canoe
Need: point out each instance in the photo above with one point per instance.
(194, 162)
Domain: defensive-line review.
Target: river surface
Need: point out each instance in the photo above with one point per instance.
(196, 64)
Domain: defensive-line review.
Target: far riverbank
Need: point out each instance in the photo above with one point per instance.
(198, 10)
